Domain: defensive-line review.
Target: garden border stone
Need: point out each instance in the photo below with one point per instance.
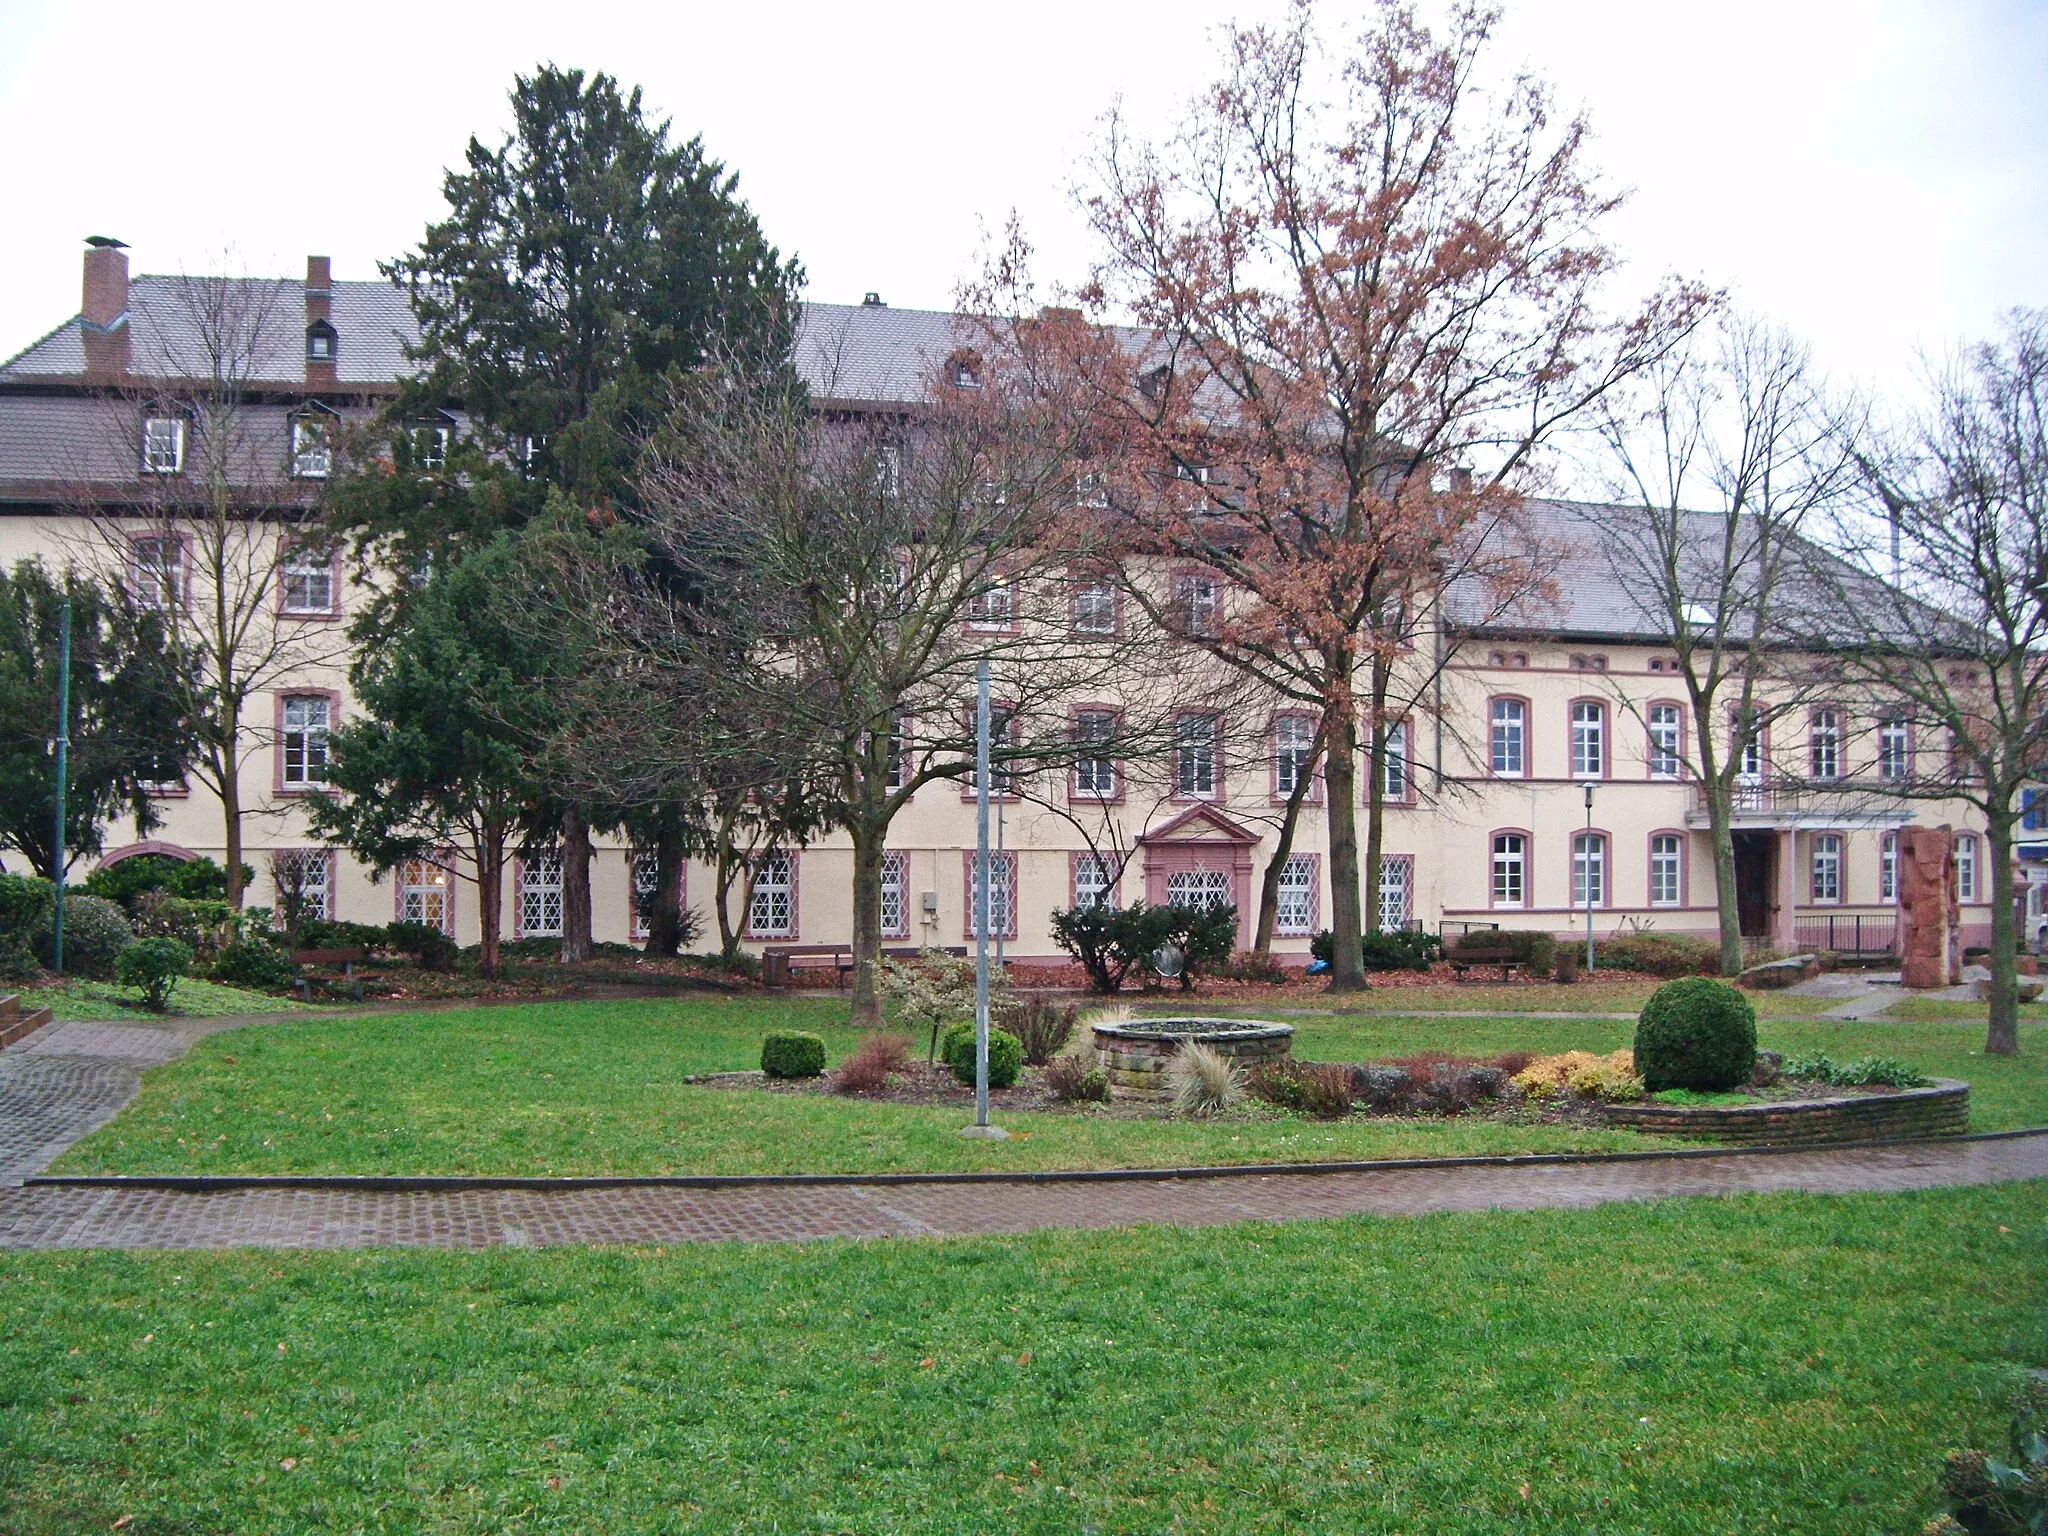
(1940, 1108)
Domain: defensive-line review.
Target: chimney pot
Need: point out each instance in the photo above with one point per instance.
(872, 301)
(106, 283)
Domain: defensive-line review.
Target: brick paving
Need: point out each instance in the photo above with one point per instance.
(71, 1216)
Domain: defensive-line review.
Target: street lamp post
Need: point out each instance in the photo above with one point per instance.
(981, 1129)
(1587, 866)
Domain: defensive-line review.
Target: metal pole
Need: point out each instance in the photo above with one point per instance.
(63, 776)
(981, 895)
(1589, 878)
(1006, 887)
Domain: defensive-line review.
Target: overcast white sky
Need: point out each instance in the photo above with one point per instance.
(1872, 172)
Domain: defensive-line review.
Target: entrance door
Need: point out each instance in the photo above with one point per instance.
(1755, 856)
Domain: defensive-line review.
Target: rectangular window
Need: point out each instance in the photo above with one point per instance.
(993, 607)
(1510, 738)
(1510, 869)
(1827, 867)
(1589, 869)
(1667, 869)
(1002, 895)
(889, 470)
(163, 445)
(646, 883)
(1196, 756)
(1295, 912)
(1396, 878)
(1094, 767)
(308, 582)
(1194, 602)
(157, 572)
(302, 879)
(771, 914)
(1666, 736)
(1966, 867)
(899, 751)
(1095, 608)
(312, 451)
(1888, 867)
(1198, 888)
(1293, 743)
(896, 895)
(1824, 742)
(307, 719)
(1394, 779)
(424, 891)
(2034, 809)
(540, 895)
(1092, 883)
(1005, 731)
(1589, 741)
(1091, 488)
(430, 447)
(1894, 749)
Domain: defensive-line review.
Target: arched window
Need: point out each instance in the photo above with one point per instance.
(1510, 739)
(1589, 740)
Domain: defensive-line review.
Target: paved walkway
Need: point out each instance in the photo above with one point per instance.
(69, 1078)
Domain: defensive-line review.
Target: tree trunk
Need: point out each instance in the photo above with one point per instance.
(665, 921)
(231, 828)
(1375, 799)
(867, 921)
(1283, 847)
(2002, 1037)
(575, 886)
(727, 866)
(1347, 962)
(490, 882)
(1728, 909)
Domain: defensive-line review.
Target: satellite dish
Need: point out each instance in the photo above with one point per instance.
(1168, 961)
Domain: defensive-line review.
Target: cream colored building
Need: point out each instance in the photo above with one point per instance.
(1488, 820)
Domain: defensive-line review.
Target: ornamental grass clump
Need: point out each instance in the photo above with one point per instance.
(1581, 1074)
(1076, 1080)
(792, 1053)
(1696, 1033)
(1203, 1082)
(1044, 1027)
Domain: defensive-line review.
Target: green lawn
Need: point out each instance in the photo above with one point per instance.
(1783, 1363)
(191, 998)
(595, 1087)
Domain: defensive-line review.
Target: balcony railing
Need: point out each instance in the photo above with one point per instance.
(1853, 801)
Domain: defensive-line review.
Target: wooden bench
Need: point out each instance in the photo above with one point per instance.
(806, 957)
(1463, 960)
(348, 959)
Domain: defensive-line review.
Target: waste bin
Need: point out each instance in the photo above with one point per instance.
(774, 969)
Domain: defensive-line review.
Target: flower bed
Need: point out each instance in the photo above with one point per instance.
(1795, 1112)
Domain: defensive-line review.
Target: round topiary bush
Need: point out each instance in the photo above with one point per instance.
(95, 933)
(258, 967)
(1696, 1033)
(792, 1053)
(1005, 1055)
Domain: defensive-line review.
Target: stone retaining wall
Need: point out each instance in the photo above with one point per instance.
(1940, 1109)
(1135, 1057)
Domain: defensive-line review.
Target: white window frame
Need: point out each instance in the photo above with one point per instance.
(1824, 746)
(312, 447)
(154, 582)
(1294, 739)
(1966, 867)
(1196, 771)
(1589, 739)
(1095, 778)
(1094, 608)
(306, 574)
(1508, 887)
(993, 607)
(1508, 739)
(426, 894)
(1825, 875)
(1002, 870)
(163, 445)
(1667, 738)
(540, 894)
(771, 906)
(1396, 894)
(1894, 748)
(1294, 907)
(312, 870)
(1206, 889)
(1395, 779)
(1589, 867)
(1667, 869)
(1094, 884)
(308, 721)
(643, 877)
(1197, 601)
(1888, 866)
(896, 894)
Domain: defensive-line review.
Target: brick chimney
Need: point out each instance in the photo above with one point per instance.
(323, 345)
(105, 307)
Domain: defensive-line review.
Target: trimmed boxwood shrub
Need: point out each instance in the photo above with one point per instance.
(1406, 949)
(95, 931)
(1658, 954)
(1696, 1033)
(152, 967)
(1005, 1055)
(792, 1053)
(258, 967)
(1533, 947)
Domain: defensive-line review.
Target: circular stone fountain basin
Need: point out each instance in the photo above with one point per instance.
(1135, 1054)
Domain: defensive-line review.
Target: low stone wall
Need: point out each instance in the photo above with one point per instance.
(1135, 1054)
(1942, 1108)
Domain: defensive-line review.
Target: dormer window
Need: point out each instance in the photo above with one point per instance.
(313, 434)
(163, 445)
(430, 439)
(1153, 381)
(322, 344)
(966, 370)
